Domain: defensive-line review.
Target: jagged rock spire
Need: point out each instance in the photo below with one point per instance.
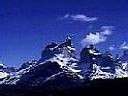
(52, 49)
(89, 53)
(88, 57)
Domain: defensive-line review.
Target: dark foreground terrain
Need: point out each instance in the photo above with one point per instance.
(95, 87)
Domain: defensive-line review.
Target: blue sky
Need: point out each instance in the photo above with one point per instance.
(26, 26)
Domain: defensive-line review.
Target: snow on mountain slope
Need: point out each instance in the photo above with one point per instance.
(97, 65)
(4, 72)
(67, 64)
(99, 74)
(64, 64)
(121, 73)
(16, 77)
(3, 75)
(59, 64)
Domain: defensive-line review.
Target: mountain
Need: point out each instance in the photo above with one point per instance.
(97, 65)
(58, 60)
(5, 71)
(88, 56)
(57, 64)
(59, 69)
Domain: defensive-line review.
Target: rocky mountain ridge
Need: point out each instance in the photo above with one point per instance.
(58, 67)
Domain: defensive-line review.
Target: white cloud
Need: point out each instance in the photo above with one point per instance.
(107, 30)
(80, 17)
(124, 45)
(93, 38)
(66, 16)
(97, 37)
(111, 48)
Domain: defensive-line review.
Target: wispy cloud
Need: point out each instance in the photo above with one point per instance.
(107, 30)
(124, 45)
(80, 17)
(112, 48)
(97, 37)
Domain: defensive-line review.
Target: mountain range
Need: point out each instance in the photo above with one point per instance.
(59, 69)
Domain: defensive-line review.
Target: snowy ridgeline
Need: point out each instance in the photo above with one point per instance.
(99, 74)
(59, 61)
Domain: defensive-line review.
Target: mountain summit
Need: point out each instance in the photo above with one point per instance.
(57, 64)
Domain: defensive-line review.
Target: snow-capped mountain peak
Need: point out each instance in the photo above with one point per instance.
(58, 62)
